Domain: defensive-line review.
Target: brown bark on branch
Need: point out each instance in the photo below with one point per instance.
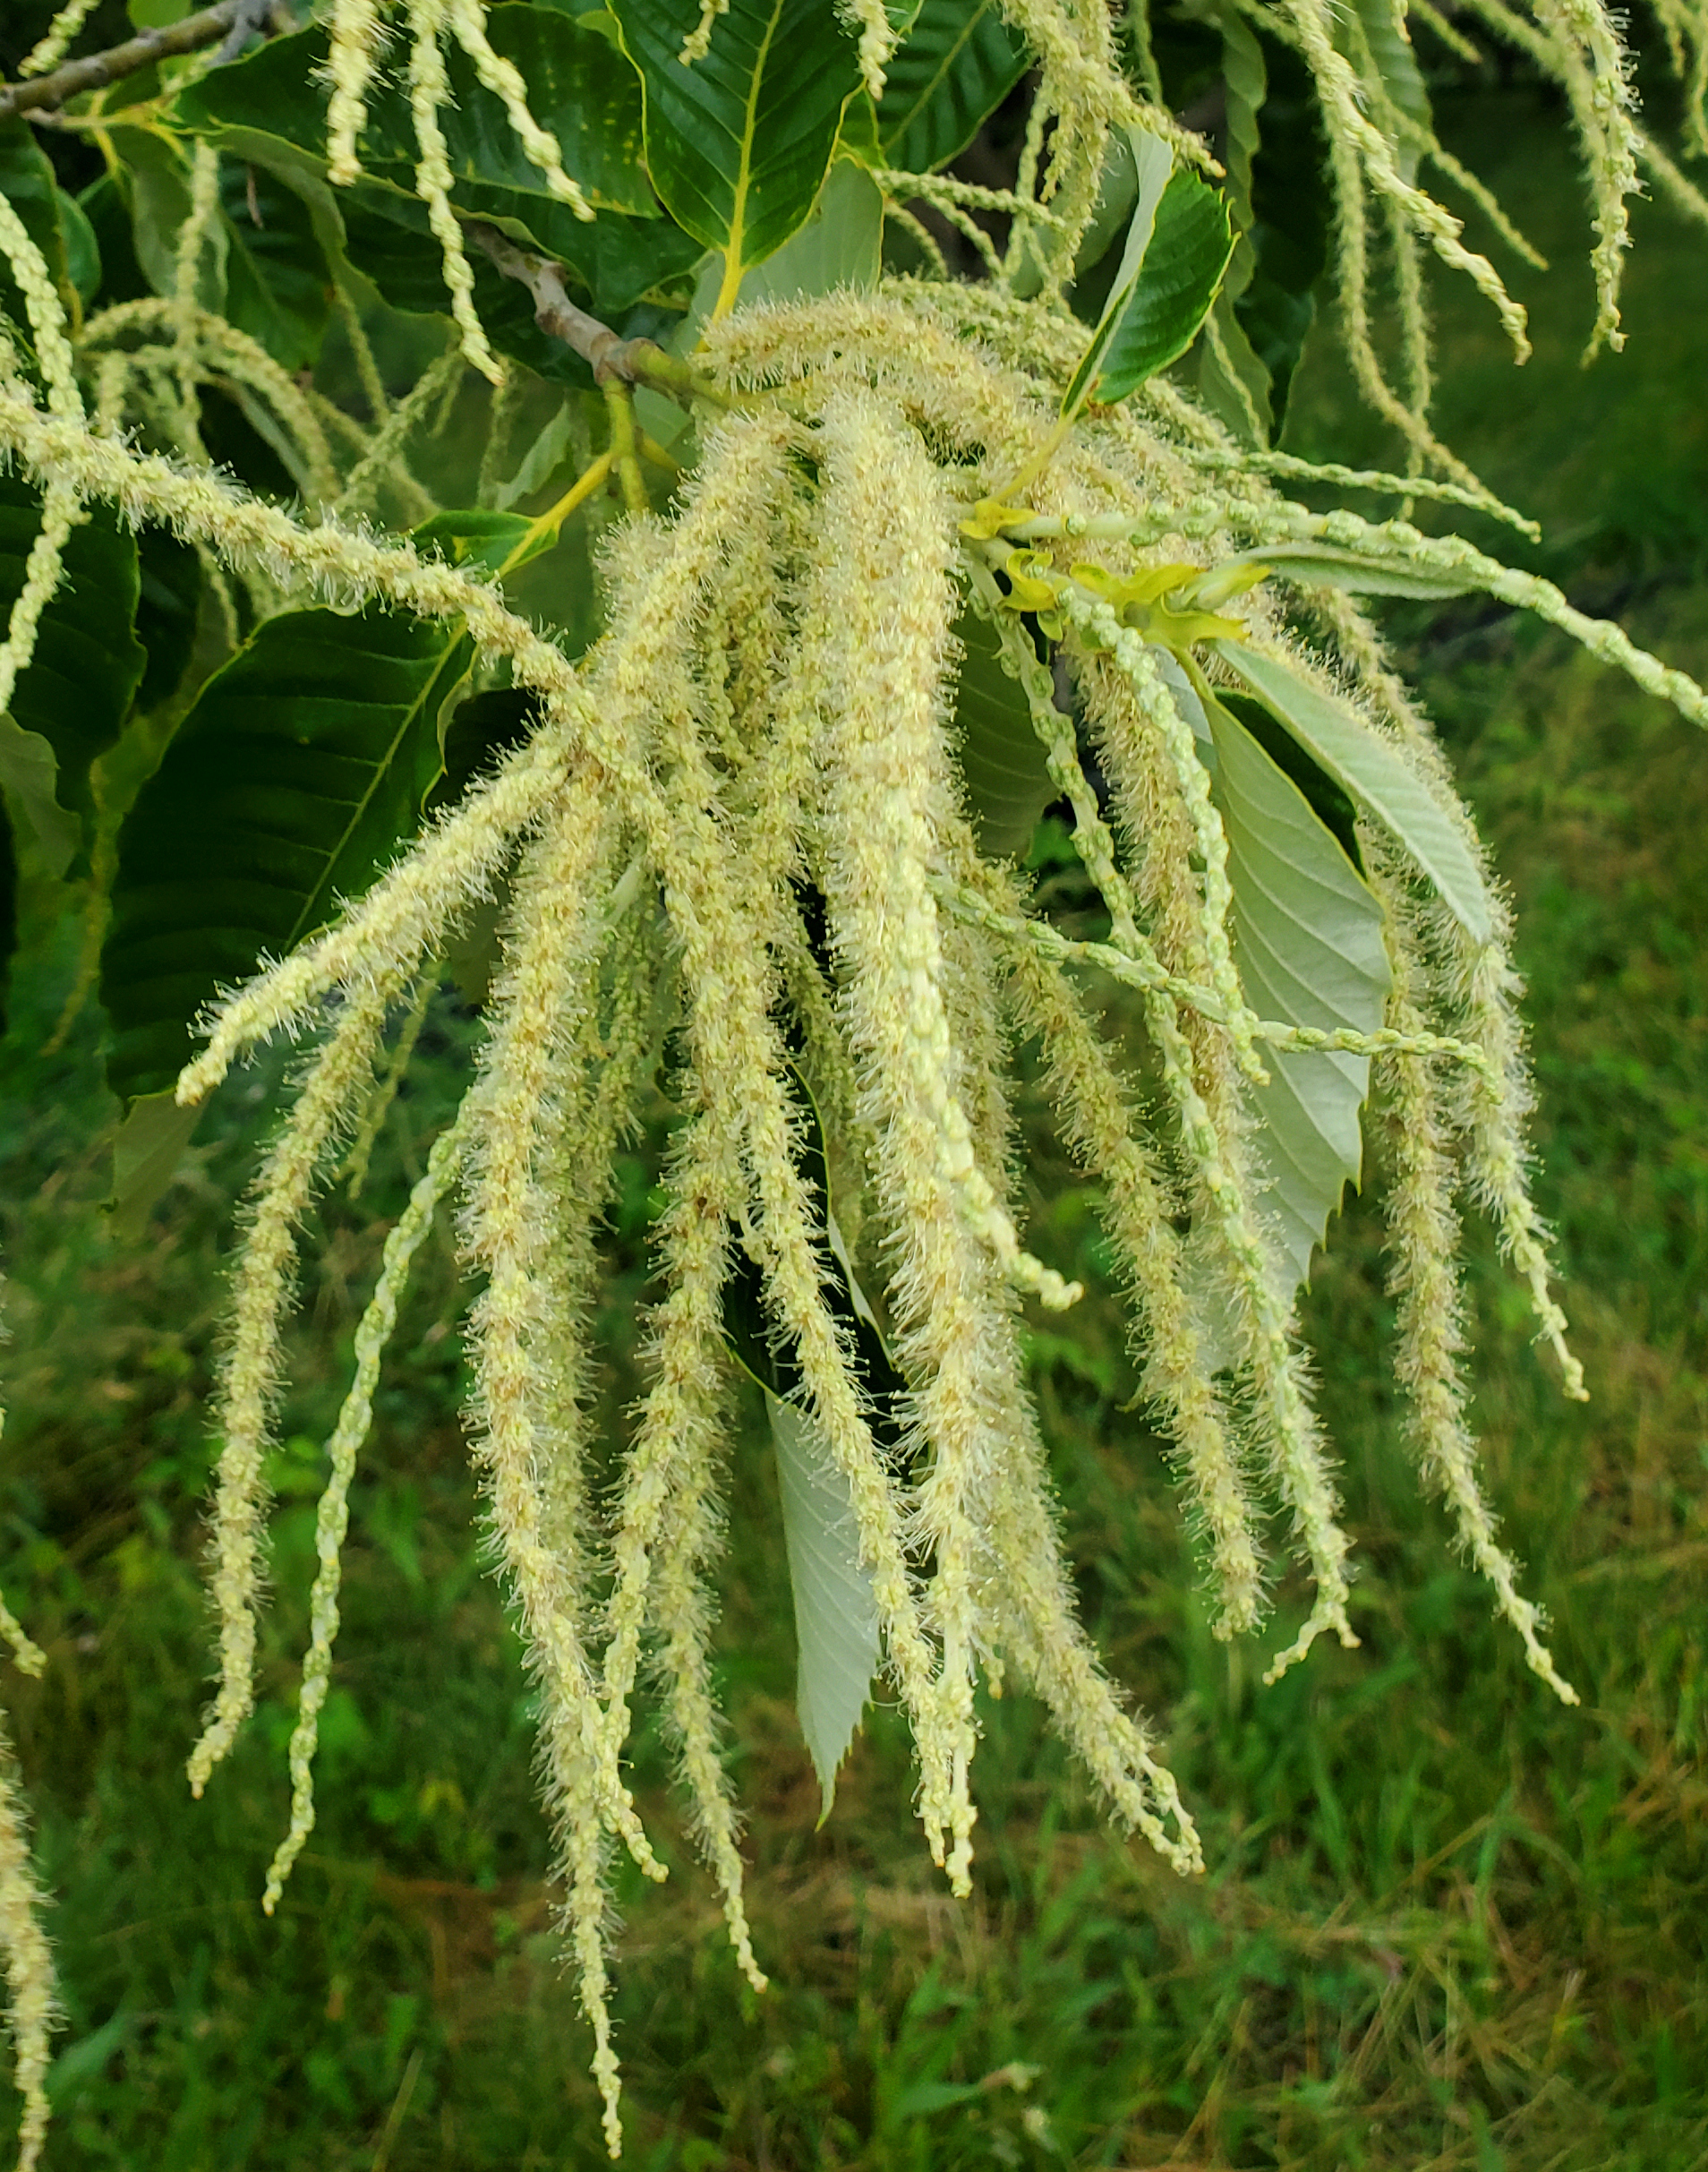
(631, 361)
(94, 71)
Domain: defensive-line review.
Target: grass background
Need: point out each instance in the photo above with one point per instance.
(1446, 1923)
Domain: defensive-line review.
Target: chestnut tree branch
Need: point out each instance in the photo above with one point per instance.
(610, 356)
(234, 20)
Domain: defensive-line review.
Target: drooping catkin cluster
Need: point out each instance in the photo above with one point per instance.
(743, 813)
(765, 735)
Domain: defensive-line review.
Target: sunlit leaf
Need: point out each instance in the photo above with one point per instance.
(738, 143)
(1191, 241)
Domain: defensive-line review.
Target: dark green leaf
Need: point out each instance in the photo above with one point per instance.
(479, 730)
(296, 775)
(105, 206)
(1232, 378)
(739, 143)
(27, 183)
(1007, 778)
(615, 259)
(82, 251)
(1289, 238)
(580, 91)
(952, 69)
(1153, 164)
(1190, 243)
(88, 662)
(167, 604)
(473, 538)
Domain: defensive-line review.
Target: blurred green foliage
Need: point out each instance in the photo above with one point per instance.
(1447, 1924)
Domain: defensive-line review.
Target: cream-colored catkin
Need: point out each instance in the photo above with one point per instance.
(667, 1524)
(385, 460)
(46, 312)
(554, 930)
(733, 1037)
(332, 1518)
(1030, 1588)
(1346, 121)
(1391, 546)
(357, 33)
(466, 21)
(336, 1078)
(1095, 1107)
(199, 234)
(879, 611)
(1423, 1278)
(1207, 889)
(1287, 1425)
(203, 342)
(32, 2005)
(676, 1431)
(359, 1154)
(27, 1957)
(60, 513)
(55, 41)
(1576, 43)
(429, 94)
(1498, 1098)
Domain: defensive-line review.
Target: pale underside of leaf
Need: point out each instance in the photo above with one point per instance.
(1375, 773)
(1308, 942)
(836, 1617)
